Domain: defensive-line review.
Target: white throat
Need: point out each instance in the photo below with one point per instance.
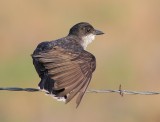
(87, 40)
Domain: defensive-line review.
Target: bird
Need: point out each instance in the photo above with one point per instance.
(64, 65)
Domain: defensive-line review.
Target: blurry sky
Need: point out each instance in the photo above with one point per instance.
(128, 54)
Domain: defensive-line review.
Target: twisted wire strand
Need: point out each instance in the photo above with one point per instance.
(20, 89)
(120, 91)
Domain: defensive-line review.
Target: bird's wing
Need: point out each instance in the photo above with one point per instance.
(72, 71)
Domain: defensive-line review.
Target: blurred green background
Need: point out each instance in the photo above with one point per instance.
(128, 54)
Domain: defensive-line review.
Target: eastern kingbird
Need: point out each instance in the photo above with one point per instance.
(64, 65)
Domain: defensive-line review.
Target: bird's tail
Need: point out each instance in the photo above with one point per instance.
(47, 84)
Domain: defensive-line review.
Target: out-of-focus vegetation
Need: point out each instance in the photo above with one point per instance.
(128, 54)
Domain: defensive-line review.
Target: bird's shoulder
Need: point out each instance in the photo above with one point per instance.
(68, 48)
(68, 43)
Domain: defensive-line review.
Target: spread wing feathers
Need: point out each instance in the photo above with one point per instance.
(70, 70)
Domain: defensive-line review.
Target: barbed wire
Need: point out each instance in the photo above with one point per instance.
(120, 91)
(20, 89)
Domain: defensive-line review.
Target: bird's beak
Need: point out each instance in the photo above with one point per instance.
(98, 32)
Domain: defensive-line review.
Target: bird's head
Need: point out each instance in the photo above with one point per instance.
(85, 32)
